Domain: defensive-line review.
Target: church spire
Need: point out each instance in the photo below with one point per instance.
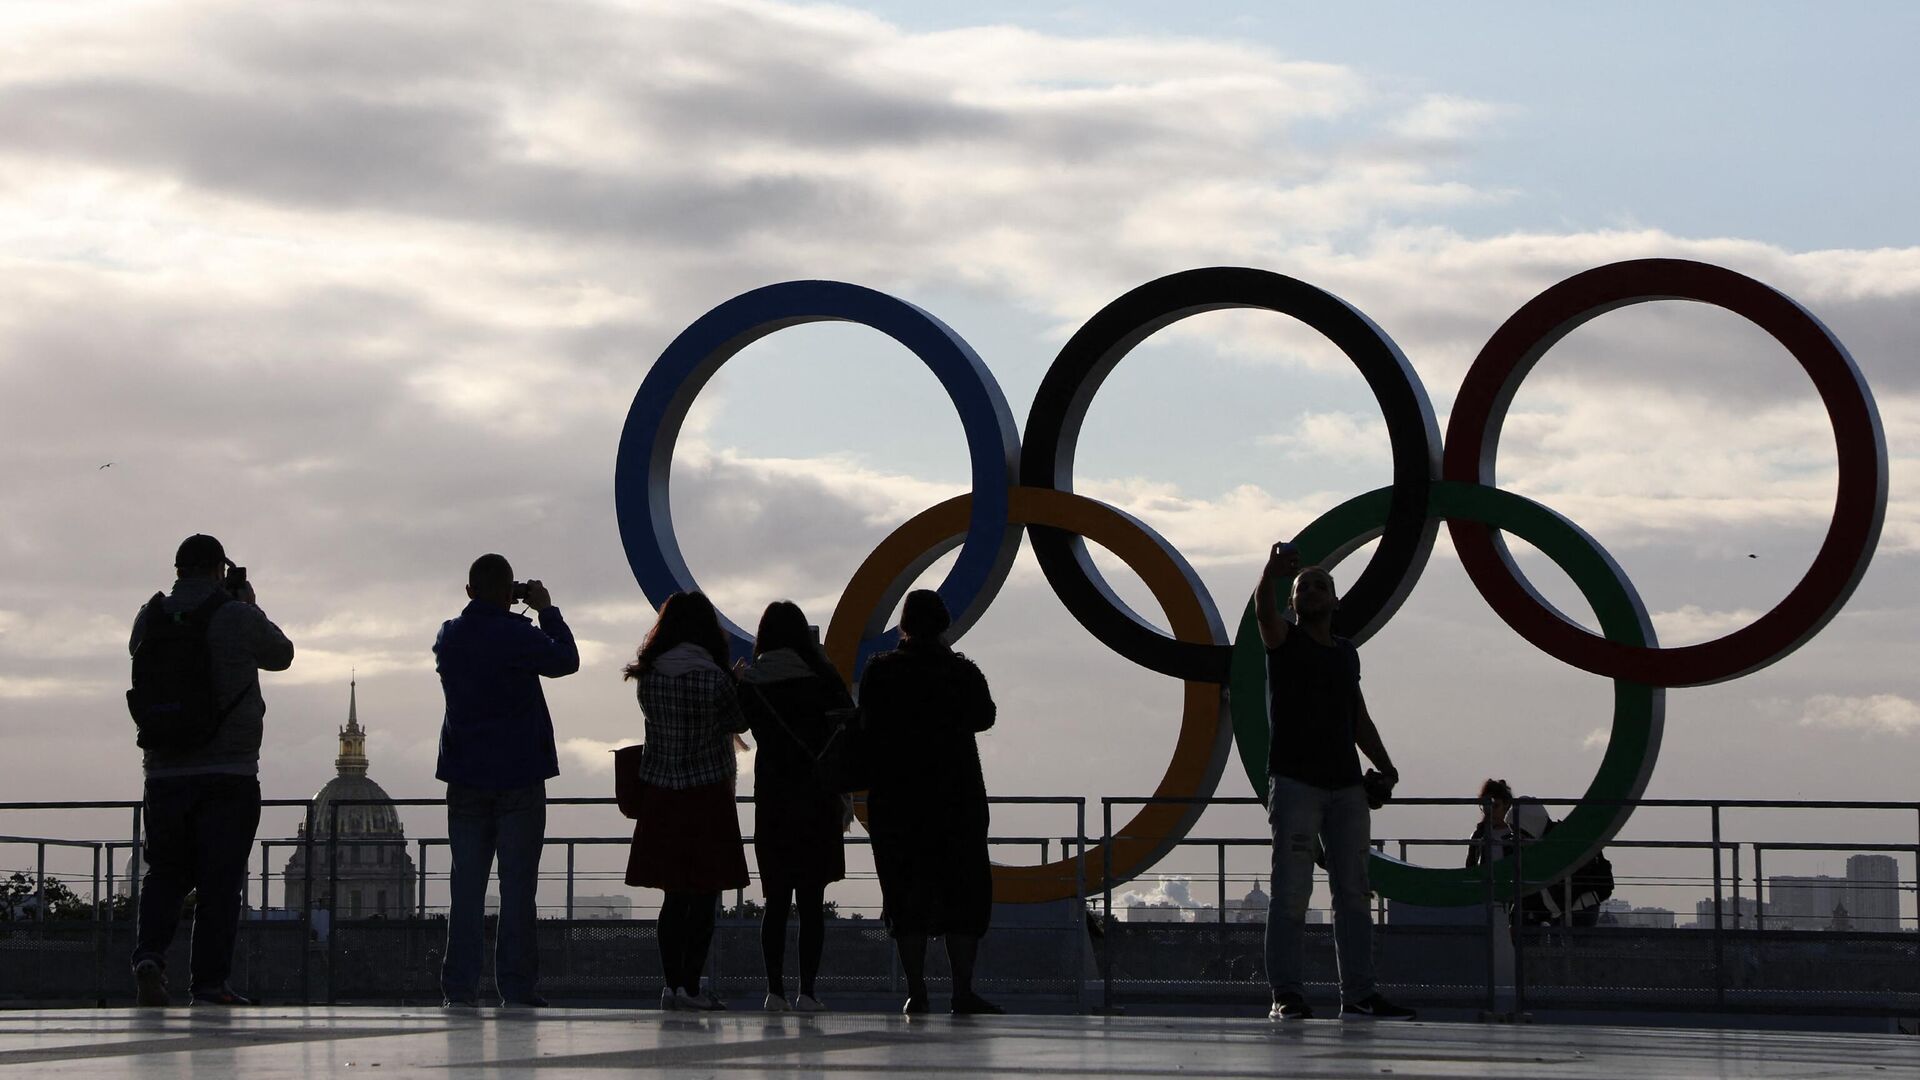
(353, 740)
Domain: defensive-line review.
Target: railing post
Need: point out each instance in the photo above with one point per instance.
(1080, 903)
(100, 975)
(1519, 922)
(1759, 901)
(1493, 945)
(306, 910)
(1719, 936)
(1221, 880)
(1112, 937)
(265, 848)
(420, 890)
(1737, 913)
(333, 891)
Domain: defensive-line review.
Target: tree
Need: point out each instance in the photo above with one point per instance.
(20, 895)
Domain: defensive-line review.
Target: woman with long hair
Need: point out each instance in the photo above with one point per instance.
(921, 706)
(1496, 802)
(686, 841)
(788, 692)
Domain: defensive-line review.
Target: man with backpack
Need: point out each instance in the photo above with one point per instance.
(197, 654)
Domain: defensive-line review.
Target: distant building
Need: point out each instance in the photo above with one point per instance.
(1803, 902)
(603, 907)
(1868, 898)
(1157, 911)
(374, 873)
(1251, 908)
(1619, 912)
(1736, 912)
(1873, 892)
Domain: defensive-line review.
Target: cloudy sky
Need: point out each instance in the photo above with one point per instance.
(366, 289)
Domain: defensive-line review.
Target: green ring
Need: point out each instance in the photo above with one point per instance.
(1638, 709)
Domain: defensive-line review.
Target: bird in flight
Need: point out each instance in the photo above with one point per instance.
(108, 465)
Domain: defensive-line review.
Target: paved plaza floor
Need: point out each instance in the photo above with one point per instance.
(269, 1043)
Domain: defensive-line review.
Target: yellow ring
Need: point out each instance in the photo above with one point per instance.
(1199, 755)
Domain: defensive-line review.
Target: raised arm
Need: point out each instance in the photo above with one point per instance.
(1283, 564)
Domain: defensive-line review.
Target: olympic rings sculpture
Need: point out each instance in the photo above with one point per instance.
(1029, 491)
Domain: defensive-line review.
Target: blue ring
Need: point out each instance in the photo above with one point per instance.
(641, 472)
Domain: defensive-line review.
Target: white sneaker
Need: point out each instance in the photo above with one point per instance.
(807, 1003)
(776, 1003)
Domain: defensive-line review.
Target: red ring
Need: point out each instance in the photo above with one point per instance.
(1473, 435)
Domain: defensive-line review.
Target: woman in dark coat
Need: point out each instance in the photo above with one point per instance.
(921, 706)
(686, 840)
(787, 693)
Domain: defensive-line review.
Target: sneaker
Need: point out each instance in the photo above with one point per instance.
(776, 1003)
(975, 1005)
(1374, 1007)
(219, 995)
(525, 1001)
(702, 1002)
(670, 999)
(915, 1006)
(460, 1003)
(807, 1003)
(1290, 1007)
(150, 984)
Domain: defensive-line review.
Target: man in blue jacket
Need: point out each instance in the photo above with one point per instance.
(496, 755)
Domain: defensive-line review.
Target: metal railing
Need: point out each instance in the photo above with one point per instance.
(1728, 915)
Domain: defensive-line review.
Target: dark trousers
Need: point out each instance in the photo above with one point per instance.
(685, 930)
(199, 831)
(780, 897)
(482, 823)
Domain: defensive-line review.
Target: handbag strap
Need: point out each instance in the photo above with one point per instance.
(811, 753)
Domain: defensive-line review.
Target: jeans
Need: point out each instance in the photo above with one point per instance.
(199, 830)
(480, 823)
(1339, 818)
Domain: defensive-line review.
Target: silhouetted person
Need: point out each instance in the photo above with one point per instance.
(496, 755)
(1503, 822)
(686, 840)
(788, 692)
(1317, 716)
(920, 707)
(1496, 803)
(206, 643)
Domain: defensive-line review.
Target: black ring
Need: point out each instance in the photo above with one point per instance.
(1053, 431)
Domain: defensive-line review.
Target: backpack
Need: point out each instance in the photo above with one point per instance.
(172, 699)
(1595, 877)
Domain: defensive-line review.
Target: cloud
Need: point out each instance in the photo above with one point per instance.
(590, 755)
(1327, 436)
(1596, 739)
(29, 688)
(1444, 118)
(1889, 714)
(1690, 624)
(1166, 892)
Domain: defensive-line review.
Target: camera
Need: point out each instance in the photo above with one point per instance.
(519, 592)
(236, 579)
